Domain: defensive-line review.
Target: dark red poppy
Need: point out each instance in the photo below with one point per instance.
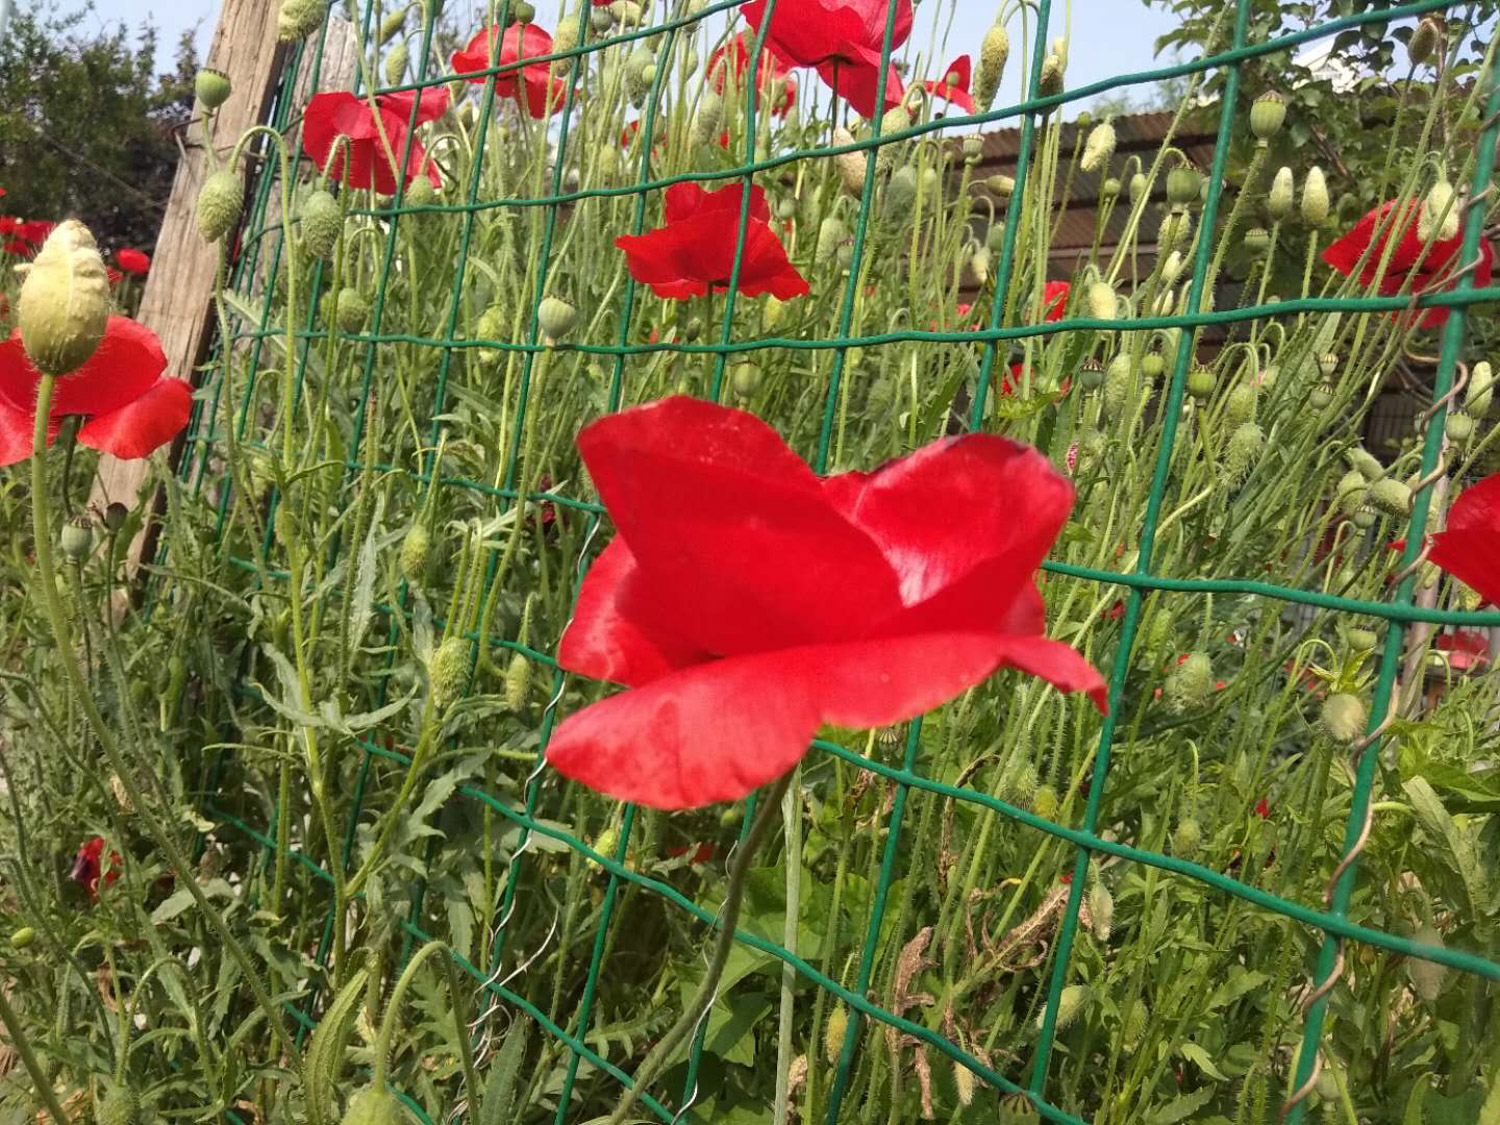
(1469, 547)
(771, 70)
(332, 115)
(1408, 261)
(954, 85)
(701, 853)
(114, 275)
(532, 84)
(1054, 300)
(694, 251)
(842, 39)
(1262, 808)
(129, 407)
(1466, 648)
(745, 601)
(133, 261)
(88, 866)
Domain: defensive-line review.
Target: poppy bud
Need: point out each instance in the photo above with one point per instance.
(1174, 231)
(22, 937)
(1119, 388)
(321, 224)
(556, 318)
(1101, 300)
(1424, 41)
(448, 671)
(1183, 182)
(1438, 217)
(744, 378)
(709, 117)
(565, 38)
(1369, 468)
(607, 841)
(831, 235)
(849, 165)
(964, 1084)
(1200, 382)
(391, 26)
(994, 50)
(1480, 392)
(119, 1106)
(64, 304)
(1019, 784)
(1314, 197)
(395, 64)
(1050, 83)
(1426, 976)
(833, 1034)
(1109, 188)
(517, 682)
(1098, 148)
(979, 265)
(416, 550)
(372, 1106)
(212, 87)
(1282, 195)
(219, 203)
(1091, 372)
(350, 309)
(1459, 427)
(1344, 717)
(1190, 682)
(1187, 839)
(1245, 447)
(900, 191)
(77, 538)
(627, 13)
(1044, 802)
(1068, 1006)
(894, 120)
(1267, 112)
(601, 20)
(1257, 240)
(1351, 492)
(298, 19)
(1139, 185)
(1391, 495)
(1239, 406)
(1000, 185)
(1171, 267)
(1101, 909)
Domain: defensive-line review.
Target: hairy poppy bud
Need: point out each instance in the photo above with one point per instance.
(64, 304)
(1119, 388)
(1109, 188)
(849, 165)
(1187, 839)
(602, 19)
(994, 50)
(392, 25)
(298, 19)
(119, 1106)
(1362, 460)
(1174, 231)
(395, 64)
(709, 117)
(1044, 802)
(1190, 682)
(416, 551)
(1239, 405)
(372, 1106)
(964, 1084)
(22, 937)
(517, 682)
(744, 378)
(1101, 300)
(1139, 185)
(1183, 183)
(607, 841)
(1068, 1005)
(894, 120)
(1098, 148)
(979, 265)
(1267, 113)
(1480, 392)
(1091, 372)
(219, 203)
(565, 38)
(1257, 240)
(1200, 382)
(1314, 198)
(1000, 185)
(1391, 495)
(1352, 492)
(1019, 783)
(1361, 640)
(1282, 195)
(556, 317)
(1101, 909)
(1426, 976)
(1344, 717)
(212, 87)
(448, 671)
(77, 538)
(833, 1034)
(900, 191)
(831, 235)
(350, 309)
(322, 223)
(1424, 41)
(1051, 81)
(1438, 218)
(1245, 447)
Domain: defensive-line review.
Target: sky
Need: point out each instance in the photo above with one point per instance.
(1107, 36)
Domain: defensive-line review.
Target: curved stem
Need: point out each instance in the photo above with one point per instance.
(18, 1040)
(767, 814)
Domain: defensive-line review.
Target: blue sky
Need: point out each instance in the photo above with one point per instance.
(1107, 36)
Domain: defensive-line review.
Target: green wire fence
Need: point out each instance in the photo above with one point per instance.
(262, 254)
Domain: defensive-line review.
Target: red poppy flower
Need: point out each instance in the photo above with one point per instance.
(114, 275)
(1467, 648)
(694, 250)
(770, 69)
(129, 408)
(88, 866)
(745, 601)
(1469, 548)
(842, 39)
(1054, 300)
(35, 231)
(133, 261)
(1262, 808)
(532, 84)
(1408, 261)
(340, 113)
(954, 86)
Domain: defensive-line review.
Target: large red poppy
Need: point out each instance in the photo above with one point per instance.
(842, 39)
(954, 85)
(332, 115)
(532, 84)
(88, 866)
(745, 601)
(129, 407)
(770, 68)
(1054, 300)
(694, 250)
(1469, 547)
(1408, 262)
(133, 261)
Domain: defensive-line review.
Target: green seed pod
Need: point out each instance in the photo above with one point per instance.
(1183, 184)
(831, 235)
(1099, 147)
(395, 64)
(1257, 240)
(556, 317)
(601, 19)
(416, 553)
(1480, 393)
(64, 306)
(212, 87)
(119, 1106)
(1189, 682)
(448, 671)
(1424, 41)
(1091, 372)
(1101, 909)
(1018, 1109)
(1438, 217)
(1000, 185)
(1365, 462)
(1050, 84)
(298, 19)
(833, 1034)
(77, 538)
(1246, 445)
(350, 310)
(115, 516)
(1102, 302)
(1391, 496)
(523, 12)
(1200, 382)
(1426, 976)
(1139, 185)
(1240, 403)
(1267, 113)
(1459, 427)
(22, 938)
(1361, 640)
(1282, 195)
(1321, 396)
(372, 1106)
(322, 224)
(392, 25)
(1187, 839)
(994, 51)
(219, 203)
(1344, 717)
(744, 378)
(1152, 365)
(1365, 517)
(1314, 198)
(1109, 188)
(1328, 363)
(517, 682)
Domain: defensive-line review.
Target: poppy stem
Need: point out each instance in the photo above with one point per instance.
(768, 812)
(16, 1034)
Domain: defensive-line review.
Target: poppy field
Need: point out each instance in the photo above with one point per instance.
(756, 562)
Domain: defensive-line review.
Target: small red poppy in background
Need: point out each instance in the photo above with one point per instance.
(1408, 260)
(1469, 547)
(35, 231)
(88, 866)
(1054, 300)
(532, 84)
(1262, 808)
(694, 251)
(771, 70)
(1466, 648)
(332, 115)
(842, 39)
(745, 601)
(133, 261)
(114, 275)
(129, 407)
(954, 85)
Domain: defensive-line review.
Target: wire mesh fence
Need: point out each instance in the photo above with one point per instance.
(426, 415)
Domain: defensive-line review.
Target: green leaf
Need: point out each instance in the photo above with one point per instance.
(500, 1086)
(325, 1052)
(1199, 1057)
(1182, 1108)
(1440, 825)
(362, 607)
(174, 905)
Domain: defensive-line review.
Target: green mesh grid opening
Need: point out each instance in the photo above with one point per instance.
(425, 412)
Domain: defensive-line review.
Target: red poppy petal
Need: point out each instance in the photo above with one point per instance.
(15, 434)
(602, 642)
(738, 547)
(1470, 547)
(127, 364)
(141, 427)
(855, 81)
(18, 379)
(431, 102)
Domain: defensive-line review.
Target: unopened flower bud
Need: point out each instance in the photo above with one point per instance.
(833, 1034)
(565, 38)
(1174, 231)
(1069, 1004)
(964, 1083)
(1459, 426)
(1119, 388)
(1365, 462)
(1426, 976)
(1480, 392)
(744, 378)
(1101, 909)
(77, 538)
(219, 203)
(119, 1106)
(1050, 83)
(601, 19)
(1424, 41)
(849, 165)
(1102, 303)
(1183, 183)
(416, 551)
(1246, 445)
(900, 192)
(1000, 185)
(1351, 492)
(22, 937)
(1045, 802)
(1239, 404)
(1267, 113)
(1109, 188)
(979, 265)
(395, 64)
(1438, 218)
(373, 1106)
(1187, 839)
(1190, 682)
(1391, 495)
(448, 671)
(350, 309)
(1171, 267)
(1282, 195)
(322, 223)
(994, 50)
(556, 317)
(517, 682)
(1314, 198)
(64, 305)
(392, 25)
(1138, 187)
(1344, 717)
(212, 87)
(1098, 148)
(1257, 240)
(298, 19)
(831, 235)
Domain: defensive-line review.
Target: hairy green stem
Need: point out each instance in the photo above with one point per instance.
(17, 1036)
